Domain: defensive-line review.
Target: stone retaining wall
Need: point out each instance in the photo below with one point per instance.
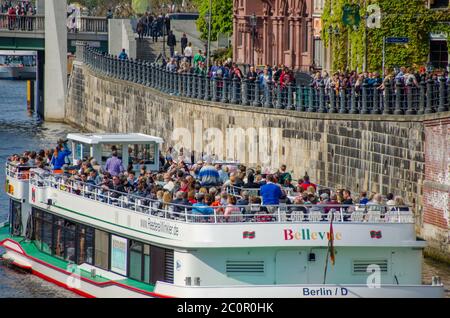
(376, 153)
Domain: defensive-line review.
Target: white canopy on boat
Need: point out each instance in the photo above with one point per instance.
(95, 139)
(135, 149)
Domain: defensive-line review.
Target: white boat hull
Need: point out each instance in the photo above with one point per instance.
(88, 288)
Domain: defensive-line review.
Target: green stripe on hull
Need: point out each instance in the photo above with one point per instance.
(31, 250)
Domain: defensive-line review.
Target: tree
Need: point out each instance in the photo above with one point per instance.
(413, 20)
(222, 18)
(140, 6)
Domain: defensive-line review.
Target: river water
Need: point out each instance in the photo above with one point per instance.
(20, 131)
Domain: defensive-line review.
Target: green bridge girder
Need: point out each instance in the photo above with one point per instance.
(37, 44)
(29, 44)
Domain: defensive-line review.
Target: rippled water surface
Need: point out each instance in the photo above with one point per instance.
(20, 131)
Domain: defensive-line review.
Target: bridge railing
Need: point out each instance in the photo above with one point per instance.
(394, 98)
(36, 23)
(22, 23)
(93, 24)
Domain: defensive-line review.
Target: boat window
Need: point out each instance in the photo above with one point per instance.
(29, 60)
(16, 218)
(150, 264)
(66, 240)
(37, 229)
(101, 249)
(119, 255)
(59, 246)
(82, 151)
(107, 150)
(136, 260)
(147, 264)
(158, 266)
(69, 242)
(47, 233)
(85, 246)
(142, 154)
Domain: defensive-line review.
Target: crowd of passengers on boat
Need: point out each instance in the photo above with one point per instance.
(206, 191)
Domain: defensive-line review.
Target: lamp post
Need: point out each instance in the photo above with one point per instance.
(366, 18)
(164, 35)
(253, 24)
(208, 56)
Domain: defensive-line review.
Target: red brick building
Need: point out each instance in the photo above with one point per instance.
(436, 215)
(283, 33)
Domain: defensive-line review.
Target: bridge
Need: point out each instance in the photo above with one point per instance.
(47, 33)
(28, 33)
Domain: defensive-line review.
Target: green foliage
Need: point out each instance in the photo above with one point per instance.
(140, 6)
(222, 17)
(399, 19)
(223, 54)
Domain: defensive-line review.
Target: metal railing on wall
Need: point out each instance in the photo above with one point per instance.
(395, 98)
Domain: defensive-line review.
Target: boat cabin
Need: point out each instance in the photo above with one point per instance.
(136, 149)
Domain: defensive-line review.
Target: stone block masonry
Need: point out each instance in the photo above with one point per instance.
(375, 153)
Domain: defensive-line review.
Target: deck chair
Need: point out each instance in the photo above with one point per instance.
(315, 215)
(373, 216)
(357, 216)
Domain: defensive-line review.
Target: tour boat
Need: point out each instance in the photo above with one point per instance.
(18, 65)
(98, 244)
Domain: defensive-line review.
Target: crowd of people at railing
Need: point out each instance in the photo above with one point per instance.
(18, 15)
(407, 76)
(231, 192)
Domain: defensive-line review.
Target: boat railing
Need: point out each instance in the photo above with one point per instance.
(282, 213)
(17, 171)
(290, 192)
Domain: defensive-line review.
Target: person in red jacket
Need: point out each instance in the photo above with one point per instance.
(12, 18)
(306, 183)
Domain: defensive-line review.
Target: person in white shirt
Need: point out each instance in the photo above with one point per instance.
(188, 53)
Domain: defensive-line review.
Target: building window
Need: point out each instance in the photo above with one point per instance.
(318, 5)
(305, 36)
(439, 4)
(439, 54)
(318, 53)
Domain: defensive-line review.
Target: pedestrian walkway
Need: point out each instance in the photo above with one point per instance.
(148, 50)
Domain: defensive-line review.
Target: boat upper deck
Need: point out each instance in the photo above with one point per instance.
(188, 226)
